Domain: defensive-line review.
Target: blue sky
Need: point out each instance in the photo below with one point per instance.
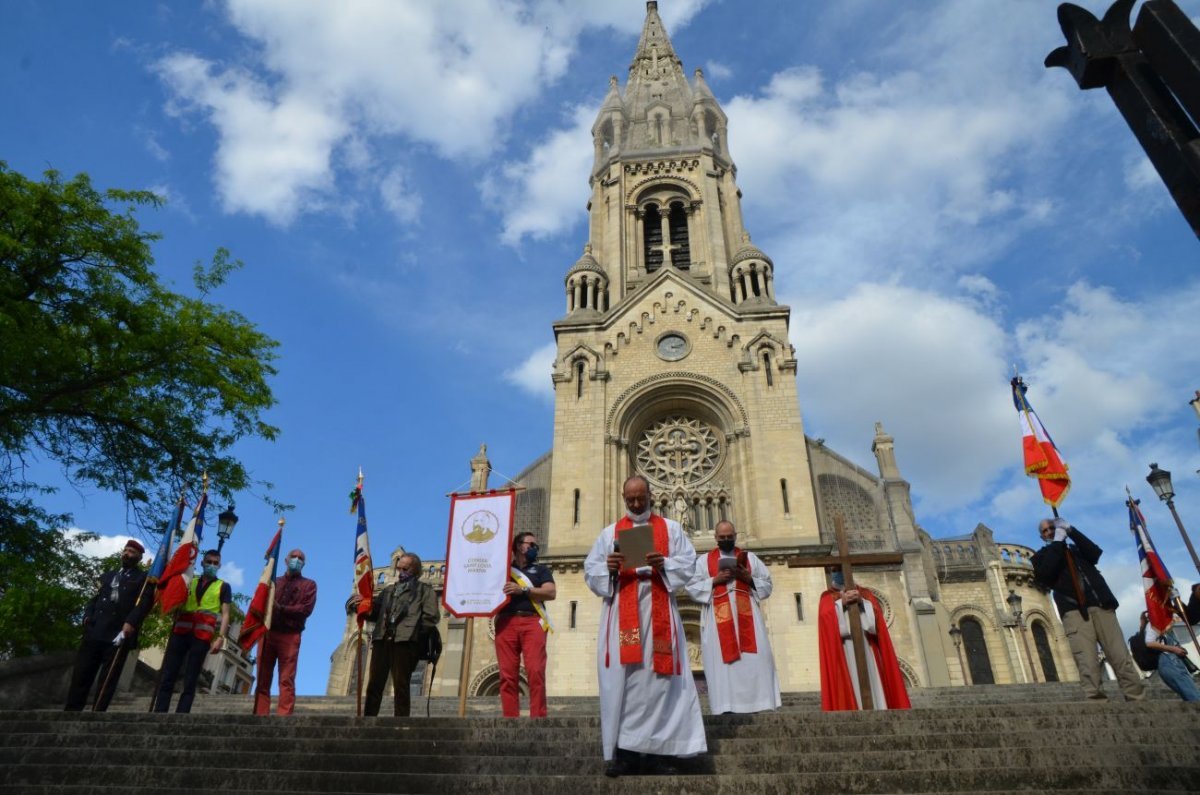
(406, 183)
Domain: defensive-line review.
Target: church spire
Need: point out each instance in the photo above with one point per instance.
(654, 43)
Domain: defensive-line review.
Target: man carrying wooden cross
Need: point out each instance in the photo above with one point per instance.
(839, 689)
(858, 661)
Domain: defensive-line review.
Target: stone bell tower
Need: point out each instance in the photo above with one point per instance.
(673, 358)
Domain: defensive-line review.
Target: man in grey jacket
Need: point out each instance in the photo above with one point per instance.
(402, 613)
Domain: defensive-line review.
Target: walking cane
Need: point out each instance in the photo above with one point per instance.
(112, 663)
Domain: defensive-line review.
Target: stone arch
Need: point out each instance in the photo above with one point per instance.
(1044, 648)
(486, 683)
(840, 494)
(975, 646)
(889, 615)
(975, 611)
(592, 359)
(909, 673)
(645, 189)
(701, 389)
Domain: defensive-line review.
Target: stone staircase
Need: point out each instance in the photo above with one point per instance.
(1043, 738)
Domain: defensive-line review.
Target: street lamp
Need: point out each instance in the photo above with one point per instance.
(956, 636)
(225, 524)
(1160, 481)
(1014, 604)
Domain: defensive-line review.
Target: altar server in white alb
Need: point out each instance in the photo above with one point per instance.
(738, 665)
(649, 709)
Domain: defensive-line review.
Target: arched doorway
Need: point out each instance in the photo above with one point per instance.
(487, 683)
(978, 660)
(1042, 641)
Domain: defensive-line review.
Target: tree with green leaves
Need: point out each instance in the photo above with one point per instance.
(123, 383)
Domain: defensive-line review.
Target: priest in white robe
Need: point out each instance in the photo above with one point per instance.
(648, 700)
(729, 583)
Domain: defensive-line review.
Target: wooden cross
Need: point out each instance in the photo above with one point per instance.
(846, 562)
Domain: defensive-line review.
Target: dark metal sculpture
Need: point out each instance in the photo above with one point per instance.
(1152, 73)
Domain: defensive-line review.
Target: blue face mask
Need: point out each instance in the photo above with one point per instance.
(837, 579)
(210, 570)
(531, 554)
(403, 575)
(295, 564)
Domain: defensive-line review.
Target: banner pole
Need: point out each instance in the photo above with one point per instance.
(1183, 614)
(1074, 576)
(358, 670)
(464, 669)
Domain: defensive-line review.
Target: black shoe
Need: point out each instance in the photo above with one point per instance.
(658, 765)
(624, 763)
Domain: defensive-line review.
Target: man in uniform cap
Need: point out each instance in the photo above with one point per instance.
(110, 627)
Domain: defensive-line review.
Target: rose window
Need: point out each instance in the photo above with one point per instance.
(678, 451)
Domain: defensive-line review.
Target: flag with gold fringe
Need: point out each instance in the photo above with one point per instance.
(1042, 458)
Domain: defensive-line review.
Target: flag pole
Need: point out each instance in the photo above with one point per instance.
(1078, 586)
(358, 659)
(1018, 393)
(1183, 614)
(177, 531)
(358, 645)
(112, 663)
(465, 668)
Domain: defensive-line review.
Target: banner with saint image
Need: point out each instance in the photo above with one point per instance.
(478, 553)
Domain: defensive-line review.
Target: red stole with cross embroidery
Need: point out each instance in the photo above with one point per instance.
(724, 613)
(660, 606)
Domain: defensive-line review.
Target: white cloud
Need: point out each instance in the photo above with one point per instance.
(547, 192)
(233, 574)
(446, 75)
(274, 153)
(102, 546)
(931, 368)
(934, 369)
(717, 70)
(533, 374)
(399, 196)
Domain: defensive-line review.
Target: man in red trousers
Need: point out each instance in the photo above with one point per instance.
(295, 598)
(521, 627)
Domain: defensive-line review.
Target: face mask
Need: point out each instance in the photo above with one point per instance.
(210, 569)
(640, 518)
(404, 576)
(531, 554)
(725, 545)
(295, 564)
(837, 579)
(128, 563)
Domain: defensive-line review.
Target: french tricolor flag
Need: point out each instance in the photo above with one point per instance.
(1042, 459)
(258, 614)
(177, 576)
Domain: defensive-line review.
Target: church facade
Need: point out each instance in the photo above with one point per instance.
(674, 362)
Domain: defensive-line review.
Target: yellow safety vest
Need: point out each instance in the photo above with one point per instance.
(199, 616)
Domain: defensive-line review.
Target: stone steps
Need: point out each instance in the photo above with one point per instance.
(581, 705)
(1023, 738)
(1063, 778)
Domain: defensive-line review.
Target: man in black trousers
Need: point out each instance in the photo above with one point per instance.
(110, 628)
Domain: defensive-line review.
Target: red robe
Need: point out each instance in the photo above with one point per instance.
(837, 689)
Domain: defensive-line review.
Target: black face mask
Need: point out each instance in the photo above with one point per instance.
(531, 554)
(725, 545)
(128, 563)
